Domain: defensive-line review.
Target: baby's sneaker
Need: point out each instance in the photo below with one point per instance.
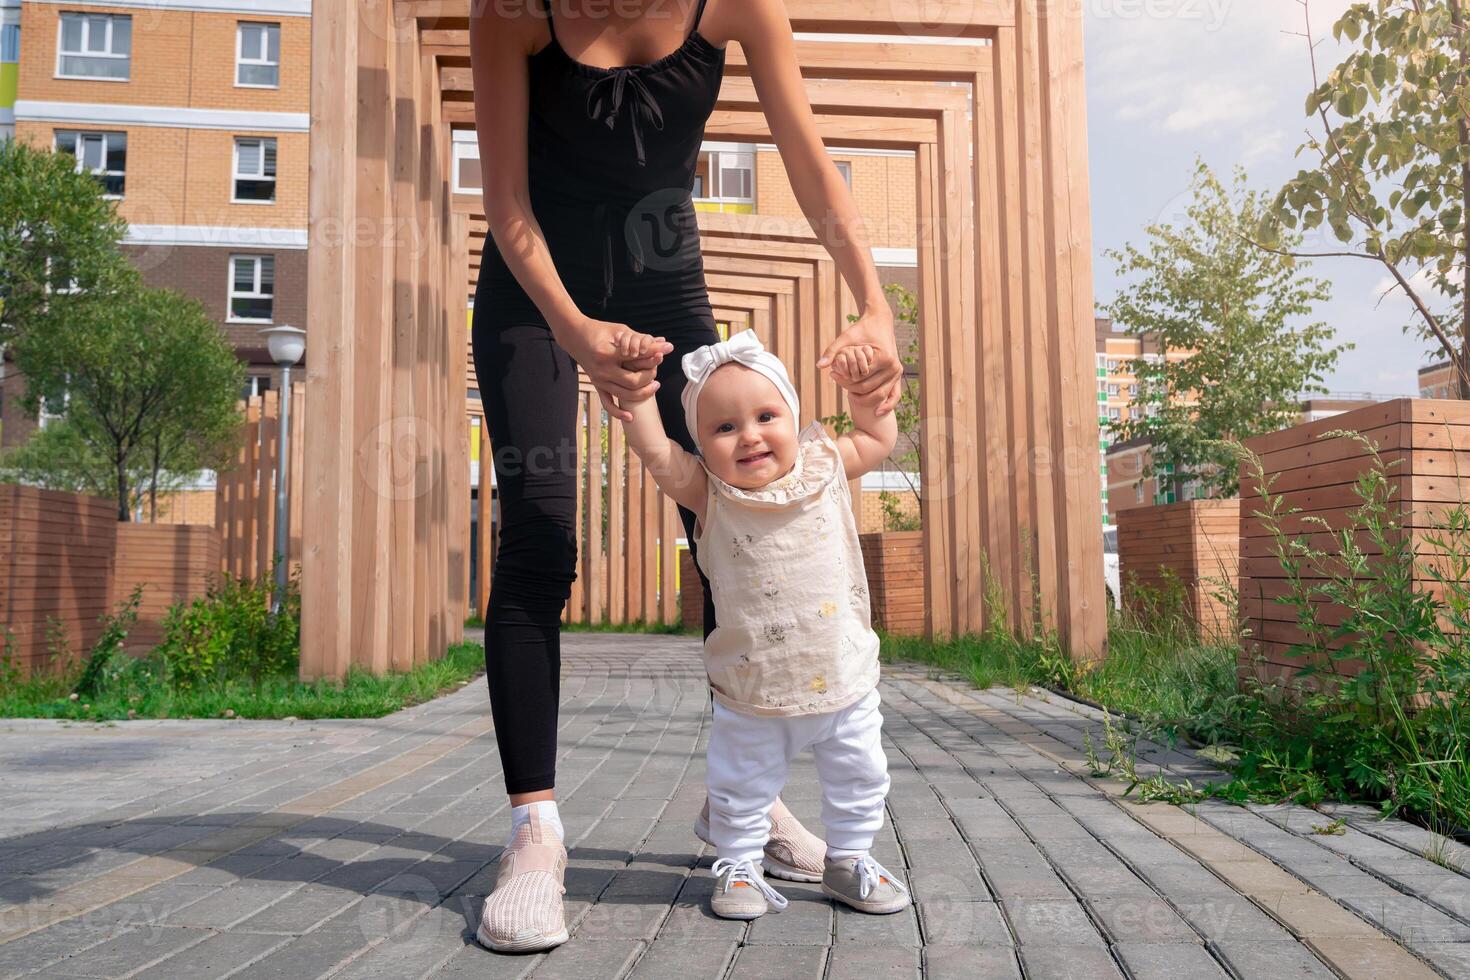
(864, 884)
(792, 852)
(741, 891)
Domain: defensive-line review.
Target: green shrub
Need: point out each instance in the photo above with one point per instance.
(230, 632)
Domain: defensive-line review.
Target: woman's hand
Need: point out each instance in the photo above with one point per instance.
(885, 371)
(599, 345)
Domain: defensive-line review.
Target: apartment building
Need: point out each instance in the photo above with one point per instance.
(1438, 380)
(9, 65)
(193, 114)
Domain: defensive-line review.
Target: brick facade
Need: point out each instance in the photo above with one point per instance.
(180, 58)
(186, 176)
(203, 272)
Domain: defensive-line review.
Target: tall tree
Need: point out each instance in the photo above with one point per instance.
(57, 232)
(150, 384)
(1395, 117)
(1204, 289)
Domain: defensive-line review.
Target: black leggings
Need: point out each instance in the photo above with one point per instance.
(529, 388)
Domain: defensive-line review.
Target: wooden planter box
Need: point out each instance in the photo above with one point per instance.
(172, 562)
(1429, 439)
(66, 556)
(894, 561)
(691, 592)
(1197, 541)
(56, 557)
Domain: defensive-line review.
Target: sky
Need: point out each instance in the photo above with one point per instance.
(1227, 80)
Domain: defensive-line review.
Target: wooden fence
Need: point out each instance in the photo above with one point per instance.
(1425, 445)
(245, 493)
(1194, 542)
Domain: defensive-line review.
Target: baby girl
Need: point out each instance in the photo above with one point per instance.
(793, 661)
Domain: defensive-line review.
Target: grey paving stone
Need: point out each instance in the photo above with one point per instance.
(310, 955)
(685, 959)
(969, 962)
(580, 957)
(127, 952)
(1280, 959)
(1168, 961)
(806, 921)
(1129, 919)
(391, 883)
(1068, 962)
(1039, 922)
(218, 955)
(861, 963)
(781, 962)
(944, 922)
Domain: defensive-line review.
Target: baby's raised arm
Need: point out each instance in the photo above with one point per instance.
(676, 472)
(872, 438)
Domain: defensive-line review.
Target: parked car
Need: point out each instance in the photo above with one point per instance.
(1110, 565)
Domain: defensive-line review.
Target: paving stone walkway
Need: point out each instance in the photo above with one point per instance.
(360, 849)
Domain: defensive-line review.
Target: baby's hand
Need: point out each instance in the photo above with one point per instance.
(852, 364)
(630, 345)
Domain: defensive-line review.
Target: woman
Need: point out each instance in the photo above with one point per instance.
(590, 118)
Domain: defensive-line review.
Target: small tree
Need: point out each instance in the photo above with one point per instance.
(56, 231)
(1402, 102)
(1207, 290)
(150, 385)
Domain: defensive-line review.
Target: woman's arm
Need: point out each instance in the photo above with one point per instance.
(764, 32)
(502, 37)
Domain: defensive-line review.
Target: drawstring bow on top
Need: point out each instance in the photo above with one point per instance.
(643, 104)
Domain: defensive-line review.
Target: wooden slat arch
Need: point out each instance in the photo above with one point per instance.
(1010, 477)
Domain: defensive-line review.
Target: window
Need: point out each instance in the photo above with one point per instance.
(467, 172)
(252, 287)
(1133, 389)
(1113, 390)
(103, 155)
(10, 44)
(726, 175)
(256, 384)
(1115, 414)
(258, 55)
(845, 169)
(97, 46)
(255, 171)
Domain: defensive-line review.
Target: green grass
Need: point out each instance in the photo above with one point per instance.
(135, 686)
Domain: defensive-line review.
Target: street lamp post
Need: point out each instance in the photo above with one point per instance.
(286, 344)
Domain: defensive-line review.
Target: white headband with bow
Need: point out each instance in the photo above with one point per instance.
(743, 348)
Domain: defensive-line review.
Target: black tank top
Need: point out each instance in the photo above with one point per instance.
(610, 143)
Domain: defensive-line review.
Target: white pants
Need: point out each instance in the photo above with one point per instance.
(748, 759)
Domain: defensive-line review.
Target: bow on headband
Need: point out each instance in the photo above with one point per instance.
(743, 348)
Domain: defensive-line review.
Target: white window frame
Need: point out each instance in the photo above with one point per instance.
(263, 62)
(231, 295)
(112, 20)
(10, 43)
(462, 152)
(82, 134)
(844, 167)
(737, 161)
(236, 176)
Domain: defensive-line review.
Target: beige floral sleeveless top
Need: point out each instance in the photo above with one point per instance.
(794, 633)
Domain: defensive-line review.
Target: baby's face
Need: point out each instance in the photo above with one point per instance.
(747, 435)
